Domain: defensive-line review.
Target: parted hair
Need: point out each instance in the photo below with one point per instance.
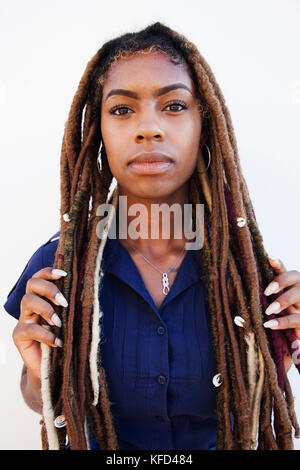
(254, 401)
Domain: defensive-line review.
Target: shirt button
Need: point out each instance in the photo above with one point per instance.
(161, 379)
(161, 330)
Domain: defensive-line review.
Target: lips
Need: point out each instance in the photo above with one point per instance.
(150, 157)
(150, 163)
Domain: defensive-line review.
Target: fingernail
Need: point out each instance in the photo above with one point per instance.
(274, 260)
(59, 272)
(273, 308)
(271, 323)
(61, 300)
(272, 288)
(56, 320)
(58, 342)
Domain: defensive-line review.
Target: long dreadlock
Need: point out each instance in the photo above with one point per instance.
(255, 390)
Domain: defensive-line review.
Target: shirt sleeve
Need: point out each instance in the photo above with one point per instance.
(43, 257)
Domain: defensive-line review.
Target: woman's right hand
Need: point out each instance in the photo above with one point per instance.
(29, 333)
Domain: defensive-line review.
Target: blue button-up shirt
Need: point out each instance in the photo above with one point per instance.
(159, 363)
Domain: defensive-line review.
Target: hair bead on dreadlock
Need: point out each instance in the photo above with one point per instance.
(254, 388)
(241, 222)
(60, 421)
(239, 321)
(217, 381)
(66, 217)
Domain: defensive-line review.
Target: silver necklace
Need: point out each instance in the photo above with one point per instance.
(165, 279)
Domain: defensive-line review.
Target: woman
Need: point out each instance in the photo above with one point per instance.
(188, 356)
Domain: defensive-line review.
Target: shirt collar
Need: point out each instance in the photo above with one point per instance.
(117, 261)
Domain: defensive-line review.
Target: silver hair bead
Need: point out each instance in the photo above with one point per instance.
(239, 321)
(241, 221)
(60, 421)
(66, 217)
(217, 381)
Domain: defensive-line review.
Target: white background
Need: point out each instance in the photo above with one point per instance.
(253, 49)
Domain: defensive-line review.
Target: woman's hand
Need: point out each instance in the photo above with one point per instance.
(29, 333)
(289, 299)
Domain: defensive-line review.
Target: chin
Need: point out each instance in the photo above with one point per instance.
(151, 191)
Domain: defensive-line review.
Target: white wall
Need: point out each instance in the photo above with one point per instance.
(253, 49)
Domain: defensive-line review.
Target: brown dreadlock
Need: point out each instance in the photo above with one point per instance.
(255, 389)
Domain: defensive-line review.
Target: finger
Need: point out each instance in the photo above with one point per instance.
(283, 280)
(291, 297)
(290, 321)
(50, 273)
(33, 307)
(47, 289)
(277, 265)
(34, 332)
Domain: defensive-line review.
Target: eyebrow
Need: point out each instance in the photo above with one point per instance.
(158, 92)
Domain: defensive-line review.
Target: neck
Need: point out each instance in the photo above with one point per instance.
(159, 232)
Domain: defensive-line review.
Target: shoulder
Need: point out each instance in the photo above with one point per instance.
(48, 250)
(42, 257)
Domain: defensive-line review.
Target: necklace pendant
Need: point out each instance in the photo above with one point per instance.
(166, 285)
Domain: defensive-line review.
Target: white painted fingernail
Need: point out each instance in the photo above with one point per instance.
(59, 272)
(273, 308)
(271, 323)
(61, 300)
(274, 260)
(58, 342)
(272, 288)
(56, 320)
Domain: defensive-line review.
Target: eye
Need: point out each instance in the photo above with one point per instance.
(117, 108)
(175, 104)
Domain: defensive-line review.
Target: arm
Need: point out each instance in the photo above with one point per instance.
(31, 390)
(287, 359)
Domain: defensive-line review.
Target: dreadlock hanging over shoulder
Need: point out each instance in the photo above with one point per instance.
(254, 401)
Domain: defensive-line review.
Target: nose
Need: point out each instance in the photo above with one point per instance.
(149, 130)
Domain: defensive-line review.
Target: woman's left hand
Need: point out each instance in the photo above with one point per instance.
(289, 300)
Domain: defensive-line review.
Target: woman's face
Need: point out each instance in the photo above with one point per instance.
(139, 116)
